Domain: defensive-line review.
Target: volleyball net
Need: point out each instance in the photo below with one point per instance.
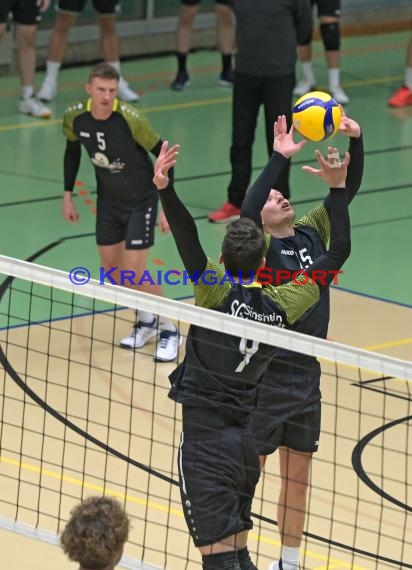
(80, 416)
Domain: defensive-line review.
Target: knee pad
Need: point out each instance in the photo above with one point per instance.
(330, 36)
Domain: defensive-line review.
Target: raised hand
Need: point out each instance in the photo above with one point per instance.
(332, 170)
(283, 141)
(164, 162)
(349, 127)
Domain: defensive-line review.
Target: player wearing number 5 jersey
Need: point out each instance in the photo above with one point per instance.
(288, 409)
(118, 139)
(217, 381)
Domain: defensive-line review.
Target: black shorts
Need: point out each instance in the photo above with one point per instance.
(218, 475)
(327, 7)
(132, 223)
(197, 2)
(103, 7)
(24, 12)
(288, 408)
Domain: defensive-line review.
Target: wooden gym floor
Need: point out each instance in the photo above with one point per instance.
(372, 304)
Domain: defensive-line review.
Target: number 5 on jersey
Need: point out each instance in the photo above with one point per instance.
(101, 143)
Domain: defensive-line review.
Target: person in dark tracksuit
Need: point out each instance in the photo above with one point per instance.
(267, 36)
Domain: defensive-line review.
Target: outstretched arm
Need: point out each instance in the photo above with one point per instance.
(284, 147)
(180, 220)
(299, 294)
(339, 248)
(351, 128)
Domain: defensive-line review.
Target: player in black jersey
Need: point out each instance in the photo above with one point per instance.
(118, 138)
(217, 381)
(288, 408)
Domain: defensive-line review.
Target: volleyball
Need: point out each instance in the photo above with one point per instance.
(316, 116)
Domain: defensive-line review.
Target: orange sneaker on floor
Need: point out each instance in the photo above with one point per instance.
(401, 98)
(227, 213)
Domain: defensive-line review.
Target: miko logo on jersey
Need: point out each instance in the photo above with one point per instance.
(101, 161)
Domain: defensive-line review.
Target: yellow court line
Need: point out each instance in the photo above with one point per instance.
(389, 344)
(158, 109)
(42, 123)
(130, 498)
(191, 104)
(88, 486)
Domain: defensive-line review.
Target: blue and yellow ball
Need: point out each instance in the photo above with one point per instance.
(316, 116)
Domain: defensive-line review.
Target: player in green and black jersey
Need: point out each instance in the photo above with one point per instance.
(217, 382)
(288, 409)
(118, 138)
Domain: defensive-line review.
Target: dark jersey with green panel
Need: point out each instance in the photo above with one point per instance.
(118, 148)
(290, 389)
(312, 235)
(223, 369)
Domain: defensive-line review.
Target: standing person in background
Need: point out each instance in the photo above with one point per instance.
(26, 16)
(288, 407)
(267, 35)
(403, 96)
(96, 533)
(329, 17)
(67, 14)
(118, 138)
(225, 41)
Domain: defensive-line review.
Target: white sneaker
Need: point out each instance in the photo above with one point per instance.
(303, 87)
(125, 93)
(47, 91)
(140, 335)
(34, 107)
(339, 95)
(168, 346)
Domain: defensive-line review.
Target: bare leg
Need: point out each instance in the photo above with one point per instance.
(55, 54)
(183, 44)
(26, 39)
(108, 38)
(60, 35)
(134, 260)
(294, 471)
(225, 29)
(2, 31)
(184, 28)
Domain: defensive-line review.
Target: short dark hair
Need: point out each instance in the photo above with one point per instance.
(95, 533)
(243, 248)
(105, 71)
